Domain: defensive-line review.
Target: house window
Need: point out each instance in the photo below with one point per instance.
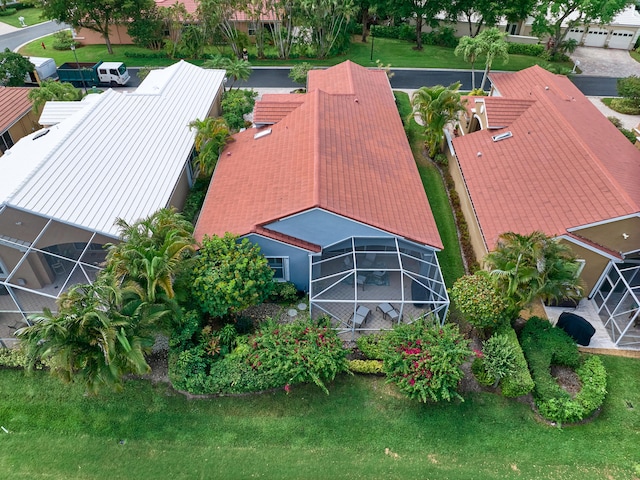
(513, 28)
(252, 28)
(280, 267)
(6, 142)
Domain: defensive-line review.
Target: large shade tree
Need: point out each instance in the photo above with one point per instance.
(481, 13)
(14, 68)
(96, 15)
(436, 107)
(423, 13)
(327, 19)
(556, 17)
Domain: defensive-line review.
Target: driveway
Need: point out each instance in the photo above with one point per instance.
(606, 62)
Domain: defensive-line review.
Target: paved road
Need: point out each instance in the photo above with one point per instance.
(14, 39)
(412, 79)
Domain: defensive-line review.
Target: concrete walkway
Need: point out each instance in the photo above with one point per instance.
(605, 62)
(587, 310)
(628, 121)
(6, 28)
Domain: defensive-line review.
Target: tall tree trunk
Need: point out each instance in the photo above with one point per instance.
(473, 76)
(107, 41)
(365, 21)
(418, 32)
(485, 76)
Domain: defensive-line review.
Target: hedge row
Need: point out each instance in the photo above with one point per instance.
(533, 50)
(519, 382)
(366, 366)
(545, 345)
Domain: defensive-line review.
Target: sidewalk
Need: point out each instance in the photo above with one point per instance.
(6, 28)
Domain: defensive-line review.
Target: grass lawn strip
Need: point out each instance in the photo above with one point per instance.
(398, 53)
(31, 17)
(150, 432)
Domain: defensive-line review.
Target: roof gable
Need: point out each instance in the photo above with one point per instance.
(14, 104)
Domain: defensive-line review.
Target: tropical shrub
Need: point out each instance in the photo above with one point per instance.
(372, 346)
(423, 359)
(629, 90)
(17, 358)
(544, 345)
(229, 276)
(625, 106)
(63, 40)
(7, 12)
(498, 357)
(299, 71)
(532, 50)
(235, 104)
(366, 366)
(480, 372)
(283, 292)
(519, 382)
(298, 352)
(479, 300)
(195, 198)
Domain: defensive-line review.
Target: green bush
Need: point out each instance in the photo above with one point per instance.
(283, 292)
(372, 346)
(299, 352)
(63, 40)
(479, 300)
(195, 198)
(442, 37)
(7, 12)
(17, 358)
(235, 104)
(534, 50)
(423, 359)
(519, 382)
(625, 106)
(480, 372)
(631, 136)
(145, 54)
(366, 366)
(499, 356)
(230, 375)
(544, 345)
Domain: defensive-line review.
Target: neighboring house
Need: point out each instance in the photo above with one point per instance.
(16, 116)
(122, 155)
(329, 190)
(538, 155)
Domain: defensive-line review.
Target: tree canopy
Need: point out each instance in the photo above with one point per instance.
(51, 90)
(96, 15)
(230, 275)
(13, 68)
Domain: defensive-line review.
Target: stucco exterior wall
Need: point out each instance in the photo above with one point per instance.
(595, 264)
(620, 236)
(23, 126)
(475, 234)
(117, 34)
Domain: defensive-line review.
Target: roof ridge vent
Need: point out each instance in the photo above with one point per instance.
(261, 134)
(502, 136)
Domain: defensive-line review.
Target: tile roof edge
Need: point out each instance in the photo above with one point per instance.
(597, 246)
(316, 146)
(284, 238)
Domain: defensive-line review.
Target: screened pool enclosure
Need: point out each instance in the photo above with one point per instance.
(370, 283)
(617, 299)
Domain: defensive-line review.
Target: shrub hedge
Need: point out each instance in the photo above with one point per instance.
(372, 346)
(533, 50)
(519, 382)
(366, 366)
(544, 345)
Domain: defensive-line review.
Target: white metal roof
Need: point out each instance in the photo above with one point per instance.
(120, 157)
(55, 111)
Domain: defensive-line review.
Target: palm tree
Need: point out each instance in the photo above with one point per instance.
(237, 69)
(53, 91)
(88, 341)
(494, 46)
(533, 266)
(151, 252)
(212, 134)
(470, 48)
(436, 107)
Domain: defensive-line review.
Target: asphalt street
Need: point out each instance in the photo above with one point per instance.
(14, 39)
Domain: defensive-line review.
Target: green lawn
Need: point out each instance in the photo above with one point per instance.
(31, 17)
(396, 52)
(450, 257)
(150, 432)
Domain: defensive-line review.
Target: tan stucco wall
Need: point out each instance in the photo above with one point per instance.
(595, 264)
(25, 125)
(610, 235)
(180, 192)
(475, 234)
(117, 34)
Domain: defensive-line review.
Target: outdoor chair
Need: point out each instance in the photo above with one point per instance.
(369, 260)
(388, 311)
(360, 315)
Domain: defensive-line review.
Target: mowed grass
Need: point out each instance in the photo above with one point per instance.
(150, 432)
(450, 258)
(398, 53)
(31, 17)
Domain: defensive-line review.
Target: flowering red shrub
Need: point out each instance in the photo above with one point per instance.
(424, 360)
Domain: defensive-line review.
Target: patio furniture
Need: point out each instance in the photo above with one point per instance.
(576, 327)
(361, 280)
(360, 315)
(369, 260)
(388, 312)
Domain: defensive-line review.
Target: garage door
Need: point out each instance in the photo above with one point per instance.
(621, 39)
(575, 33)
(596, 37)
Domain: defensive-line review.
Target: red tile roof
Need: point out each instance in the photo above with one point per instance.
(274, 107)
(566, 165)
(14, 104)
(190, 5)
(501, 112)
(343, 150)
